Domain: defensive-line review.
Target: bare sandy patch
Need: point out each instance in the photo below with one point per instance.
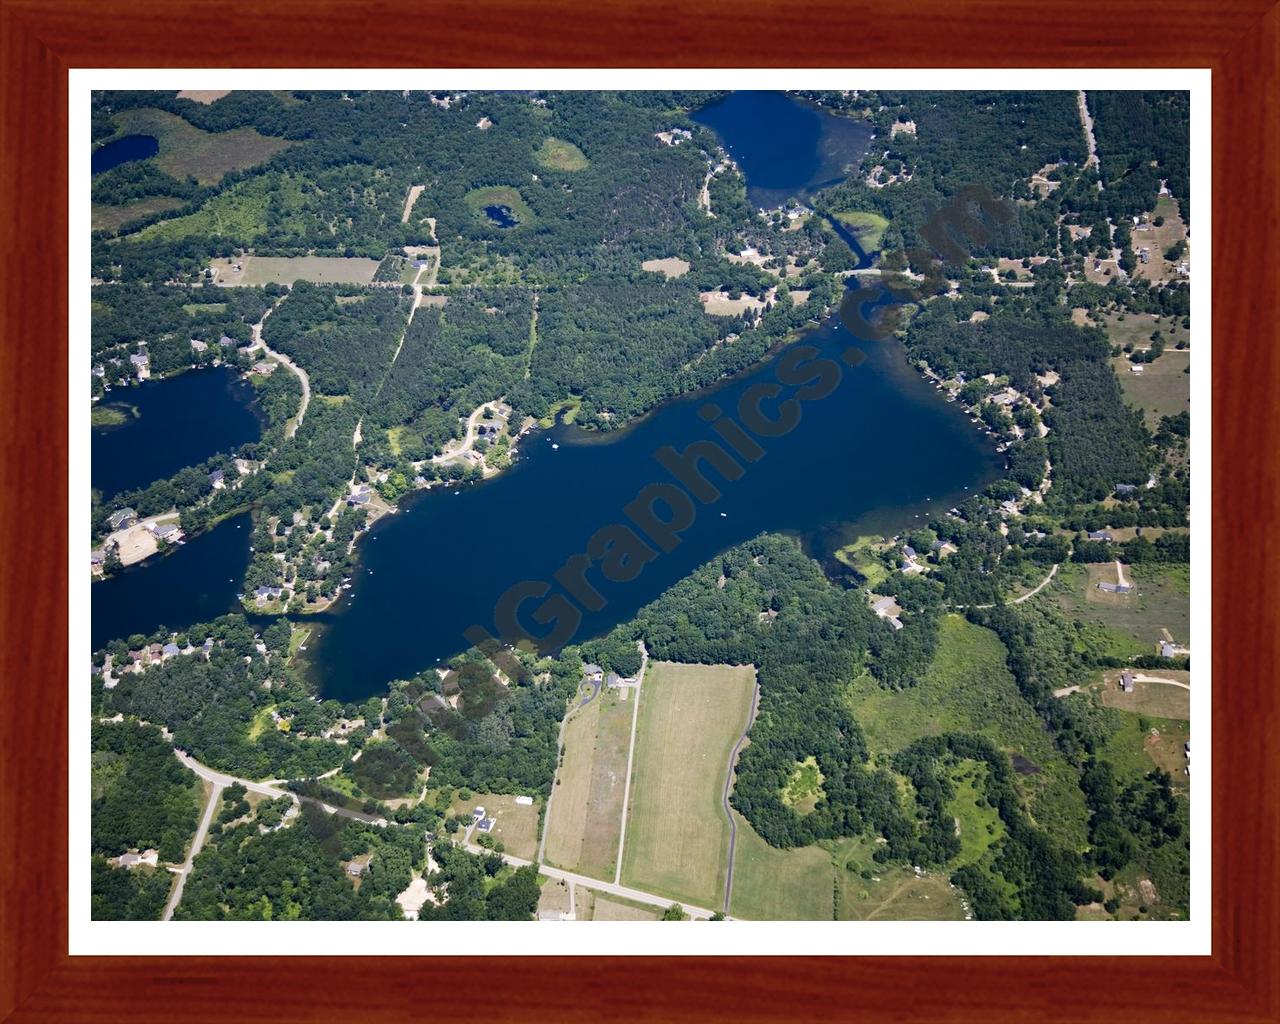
(977, 316)
(205, 96)
(800, 295)
(669, 267)
(409, 200)
(718, 303)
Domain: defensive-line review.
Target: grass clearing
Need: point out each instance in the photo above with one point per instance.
(558, 155)
(113, 218)
(1163, 388)
(669, 268)
(1161, 599)
(677, 835)
(614, 908)
(977, 822)
(868, 891)
(190, 152)
(586, 812)
(205, 96)
(804, 788)
(499, 195)
(1150, 698)
(770, 884)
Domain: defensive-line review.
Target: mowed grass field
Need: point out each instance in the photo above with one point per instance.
(868, 891)
(586, 809)
(260, 270)
(1162, 389)
(558, 155)
(516, 824)
(779, 885)
(190, 152)
(691, 716)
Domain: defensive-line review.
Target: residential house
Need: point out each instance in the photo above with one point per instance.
(122, 518)
(486, 824)
(264, 594)
(1126, 681)
(1102, 535)
(594, 673)
(166, 531)
(1125, 488)
(170, 650)
(133, 859)
(217, 480)
(198, 346)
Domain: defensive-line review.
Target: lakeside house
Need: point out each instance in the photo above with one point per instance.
(227, 342)
(360, 496)
(142, 364)
(122, 518)
(170, 650)
(264, 594)
(198, 346)
(593, 673)
(217, 480)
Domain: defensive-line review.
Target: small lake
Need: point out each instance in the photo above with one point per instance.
(785, 147)
(502, 216)
(172, 423)
(123, 151)
(195, 582)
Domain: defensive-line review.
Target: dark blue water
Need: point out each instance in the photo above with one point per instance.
(196, 582)
(181, 421)
(501, 215)
(124, 150)
(882, 443)
(784, 147)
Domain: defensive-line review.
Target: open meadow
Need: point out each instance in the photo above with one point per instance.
(190, 152)
(677, 840)
(516, 824)
(1160, 600)
(1163, 388)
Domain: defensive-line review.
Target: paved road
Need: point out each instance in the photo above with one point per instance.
(197, 844)
(728, 785)
(631, 750)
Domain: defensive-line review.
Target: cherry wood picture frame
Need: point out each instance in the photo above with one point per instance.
(41, 39)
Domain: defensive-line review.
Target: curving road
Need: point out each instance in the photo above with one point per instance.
(728, 786)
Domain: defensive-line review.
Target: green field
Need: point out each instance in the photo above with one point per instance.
(677, 836)
(189, 152)
(868, 891)
(586, 811)
(558, 155)
(968, 688)
(779, 885)
(240, 212)
(1162, 389)
(1161, 600)
(867, 227)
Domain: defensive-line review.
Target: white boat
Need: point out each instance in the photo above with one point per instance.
(555, 447)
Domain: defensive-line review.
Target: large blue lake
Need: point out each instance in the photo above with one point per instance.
(172, 423)
(882, 449)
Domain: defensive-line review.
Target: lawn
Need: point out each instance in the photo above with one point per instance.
(586, 811)
(1152, 699)
(613, 908)
(779, 885)
(189, 152)
(1161, 600)
(1162, 389)
(558, 155)
(691, 716)
(516, 824)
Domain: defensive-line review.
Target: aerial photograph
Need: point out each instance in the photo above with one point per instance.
(636, 505)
